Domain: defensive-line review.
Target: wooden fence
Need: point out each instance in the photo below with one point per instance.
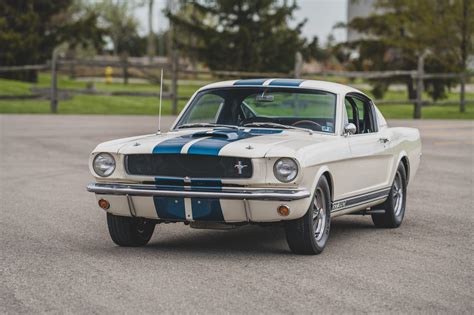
(127, 70)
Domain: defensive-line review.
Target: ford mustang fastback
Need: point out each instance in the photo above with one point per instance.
(291, 152)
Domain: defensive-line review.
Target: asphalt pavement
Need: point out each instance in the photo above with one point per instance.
(57, 257)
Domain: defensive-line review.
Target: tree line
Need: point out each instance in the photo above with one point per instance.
(243, 35)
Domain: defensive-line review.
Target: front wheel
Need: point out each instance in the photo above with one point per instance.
(129, 232)
(395, 204)
(309, 234)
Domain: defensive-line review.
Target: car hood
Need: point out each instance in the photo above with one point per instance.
(251, 143)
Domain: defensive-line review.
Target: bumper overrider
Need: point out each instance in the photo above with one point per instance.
(224, 204)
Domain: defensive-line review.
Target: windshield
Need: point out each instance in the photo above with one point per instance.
(264, 107)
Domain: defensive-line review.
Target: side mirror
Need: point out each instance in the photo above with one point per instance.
(350, 129)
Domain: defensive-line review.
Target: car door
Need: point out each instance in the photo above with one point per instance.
(370, 148)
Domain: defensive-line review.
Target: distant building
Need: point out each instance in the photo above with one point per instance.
(358, 8)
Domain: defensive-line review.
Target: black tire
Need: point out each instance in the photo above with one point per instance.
(394, 206)
(302, 234)
(128, 231)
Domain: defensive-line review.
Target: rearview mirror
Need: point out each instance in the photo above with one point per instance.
(265, 98)
(350, 129)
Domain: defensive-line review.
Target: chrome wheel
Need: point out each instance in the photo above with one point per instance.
(319, 215)
(397, 194)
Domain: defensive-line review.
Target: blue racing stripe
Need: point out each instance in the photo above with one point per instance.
(207, 209)
(214, 183)
(250, 82)
(265, 131)
(169, 183)
(286, 82)
(170, 208)
(172, 146)
(212, 145)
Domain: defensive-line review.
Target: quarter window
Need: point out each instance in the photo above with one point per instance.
(360, 112)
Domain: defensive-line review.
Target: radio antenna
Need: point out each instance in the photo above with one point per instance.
(161, 96)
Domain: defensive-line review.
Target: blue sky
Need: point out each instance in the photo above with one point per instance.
(321, 15)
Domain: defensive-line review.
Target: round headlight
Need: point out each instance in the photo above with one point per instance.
(285, 170)
(104, 164)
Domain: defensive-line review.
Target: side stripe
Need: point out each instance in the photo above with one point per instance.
(346, 203)
(286, 82)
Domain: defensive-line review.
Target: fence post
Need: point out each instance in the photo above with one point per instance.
(174, 81)
(463, 93)
(125, 69)
(419, 86)
(54, 82)
(298, 64)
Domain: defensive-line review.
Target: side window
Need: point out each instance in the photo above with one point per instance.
(361, 114)
(206, 110)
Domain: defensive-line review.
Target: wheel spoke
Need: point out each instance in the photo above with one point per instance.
(319, 215)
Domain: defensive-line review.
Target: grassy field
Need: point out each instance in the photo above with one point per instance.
(128, 105)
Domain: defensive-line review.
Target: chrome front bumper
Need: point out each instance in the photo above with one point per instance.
(198, 192)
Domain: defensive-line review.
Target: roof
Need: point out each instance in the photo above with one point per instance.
(278, 82)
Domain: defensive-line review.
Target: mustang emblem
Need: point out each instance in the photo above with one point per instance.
(239, 166)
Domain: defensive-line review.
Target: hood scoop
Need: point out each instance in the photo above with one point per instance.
(222, 134)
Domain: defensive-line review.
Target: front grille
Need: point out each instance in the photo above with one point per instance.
(188, 165)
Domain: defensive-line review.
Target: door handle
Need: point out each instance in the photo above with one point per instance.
(383, 140)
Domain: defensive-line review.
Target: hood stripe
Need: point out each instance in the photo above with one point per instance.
(211, 144)
(172, 146)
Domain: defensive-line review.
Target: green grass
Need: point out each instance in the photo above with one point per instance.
(11, 87)
(429, 112)
(130, 105)
(88, 104)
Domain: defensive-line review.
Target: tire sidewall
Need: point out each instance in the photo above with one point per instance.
(399, 218)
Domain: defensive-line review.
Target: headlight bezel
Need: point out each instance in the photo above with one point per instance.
(108, 172)
(283, 178)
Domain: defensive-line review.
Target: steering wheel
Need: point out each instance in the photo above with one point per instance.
(308, 122)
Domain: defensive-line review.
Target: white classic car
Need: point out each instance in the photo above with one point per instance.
(286, 151)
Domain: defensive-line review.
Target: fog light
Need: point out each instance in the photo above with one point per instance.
(104, 204)
(283, 210)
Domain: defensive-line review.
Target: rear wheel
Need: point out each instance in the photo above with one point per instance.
(128, 231)
(309, 234)
(395, 204)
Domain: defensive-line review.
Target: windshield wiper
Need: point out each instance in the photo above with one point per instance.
(197, 125)
(277, 125)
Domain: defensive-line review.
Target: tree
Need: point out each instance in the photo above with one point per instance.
(119, 22)
(240, 34)
(402, 30)
(30, 30)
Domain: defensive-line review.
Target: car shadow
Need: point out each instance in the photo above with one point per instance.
(254, 239)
